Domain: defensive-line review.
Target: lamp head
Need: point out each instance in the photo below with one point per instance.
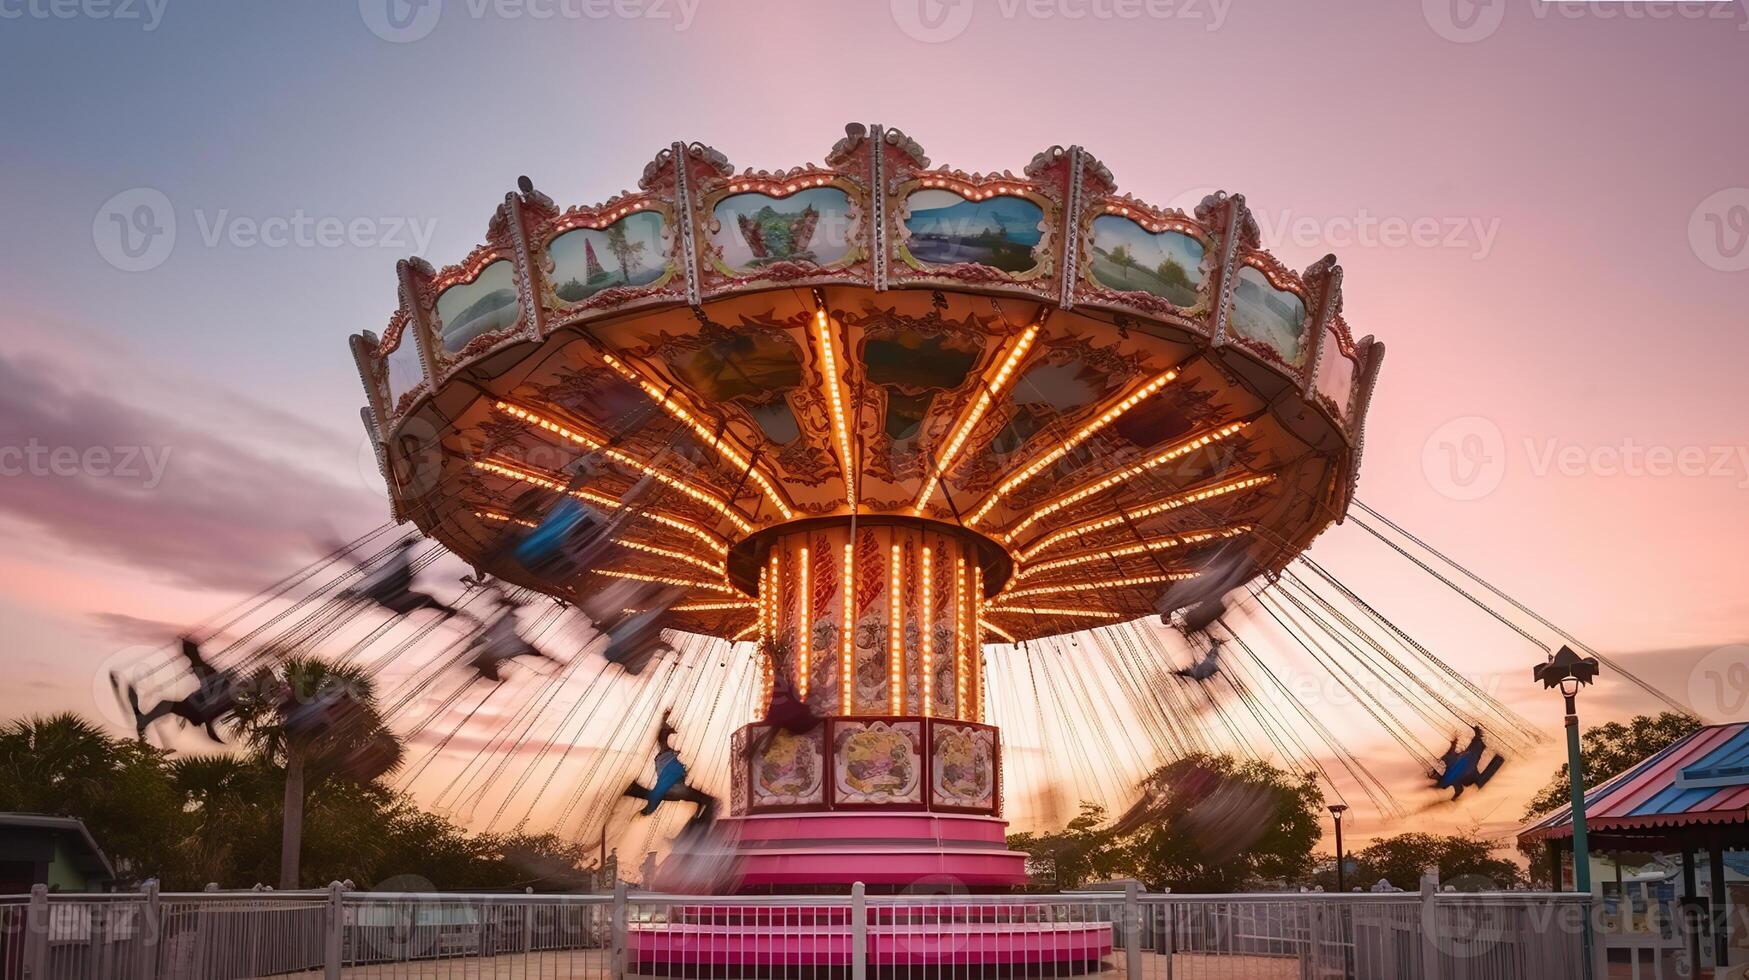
(1337, 809)
(1563, 666)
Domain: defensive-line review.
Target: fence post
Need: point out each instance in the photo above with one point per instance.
(151, 931)
(1432, 964)
(858, 932)
(528, 923)
(619, 930)
(36, 934)
(333, 941)
(1132, 931)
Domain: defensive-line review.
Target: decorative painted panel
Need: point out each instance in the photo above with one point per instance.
(790, 771)
(629, 255)
(877, 762)
(475, 312)
(963, 767)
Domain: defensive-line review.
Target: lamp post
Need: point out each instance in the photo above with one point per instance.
(1336, 812)
(1569, 672)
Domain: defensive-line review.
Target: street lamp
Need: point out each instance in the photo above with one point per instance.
(1336, 812)
(1569, 672)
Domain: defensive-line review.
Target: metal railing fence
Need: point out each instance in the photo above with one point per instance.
(335, 934)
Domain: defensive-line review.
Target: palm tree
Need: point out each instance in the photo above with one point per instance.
(319, 721)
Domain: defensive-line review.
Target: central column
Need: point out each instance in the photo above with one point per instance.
(877, 616)
(877, 622)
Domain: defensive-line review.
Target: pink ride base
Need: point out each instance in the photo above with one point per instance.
(843, 837)
(807, 939)
(886, 851)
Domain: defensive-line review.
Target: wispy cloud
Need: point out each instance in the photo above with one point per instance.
(120, 478)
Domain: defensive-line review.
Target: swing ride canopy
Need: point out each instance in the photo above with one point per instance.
(981, 406)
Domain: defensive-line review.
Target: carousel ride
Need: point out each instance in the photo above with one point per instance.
(874, 415)
(938, 455)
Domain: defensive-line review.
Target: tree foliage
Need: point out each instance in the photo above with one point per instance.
(1610, 750)
(188, 820)
(1204, 824)
(1465, 862)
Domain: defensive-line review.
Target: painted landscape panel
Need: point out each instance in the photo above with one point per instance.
(755, 230)
(486, 305)
(947, 229)
(629, 252)
(1269, 315)
(1128, 257)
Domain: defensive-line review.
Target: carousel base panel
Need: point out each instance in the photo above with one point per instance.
(947, 852)
(951, 940)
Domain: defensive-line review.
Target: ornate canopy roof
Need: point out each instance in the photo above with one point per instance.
(1103, 390)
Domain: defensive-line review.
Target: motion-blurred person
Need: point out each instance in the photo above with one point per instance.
(213, 698)
(671, 782)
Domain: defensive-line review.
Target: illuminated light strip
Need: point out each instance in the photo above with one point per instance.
(1161, 544)
(669, 553)
(716, 544)
(835, 398)
(847, 629)
(685, 583)
(960, 635)
(895, 636)
(489, 515)
(986, 398)
(977, 650)
(999, 631)
(928, 652)
(1110, 583)
(712, 606)
(764, 601)
(804, 651)
(1160, 507)
(565, 432)
(738, 637)
(1047, 611)
(1109, 416)
(1129, 472)
(704, 432)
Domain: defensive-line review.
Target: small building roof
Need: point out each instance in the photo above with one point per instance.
(1701, 779)
(82, 846)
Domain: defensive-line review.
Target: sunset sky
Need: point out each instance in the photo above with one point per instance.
(1542, 210)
